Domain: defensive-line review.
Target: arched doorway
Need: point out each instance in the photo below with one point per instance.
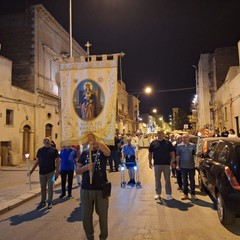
(48, 130)
(26, 140)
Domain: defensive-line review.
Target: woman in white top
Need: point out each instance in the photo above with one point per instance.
(231, 133)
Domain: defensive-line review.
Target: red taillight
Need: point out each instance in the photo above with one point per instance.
(233, 181)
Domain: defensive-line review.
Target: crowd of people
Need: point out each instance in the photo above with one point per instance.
(169, 155)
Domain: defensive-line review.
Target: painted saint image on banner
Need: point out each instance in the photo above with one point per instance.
(88, 99)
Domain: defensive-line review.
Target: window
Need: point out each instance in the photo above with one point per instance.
(223, 154)
(9, 117)
(48, 130)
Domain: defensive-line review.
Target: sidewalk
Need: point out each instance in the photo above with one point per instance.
(15, 187)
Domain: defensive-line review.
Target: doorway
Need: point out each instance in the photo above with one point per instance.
(5, 154)
(26, 141)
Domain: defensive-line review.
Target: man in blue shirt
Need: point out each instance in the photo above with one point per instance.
(68, 160)
(185, 162)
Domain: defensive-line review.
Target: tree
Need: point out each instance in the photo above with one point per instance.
(180, 119)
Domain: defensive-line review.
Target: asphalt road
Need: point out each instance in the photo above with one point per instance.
(133, 215)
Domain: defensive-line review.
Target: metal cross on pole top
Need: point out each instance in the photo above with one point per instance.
(88, 45)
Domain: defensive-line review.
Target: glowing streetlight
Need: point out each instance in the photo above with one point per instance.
(148, 90)
(154, 110)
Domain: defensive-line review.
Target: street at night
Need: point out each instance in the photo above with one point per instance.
(133, 215)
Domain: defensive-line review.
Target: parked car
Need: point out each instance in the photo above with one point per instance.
(220, 176)
(203, 147)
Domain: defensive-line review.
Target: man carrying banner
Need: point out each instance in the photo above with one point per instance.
(92, 193)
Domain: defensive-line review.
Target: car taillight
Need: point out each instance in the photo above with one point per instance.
(233, 181)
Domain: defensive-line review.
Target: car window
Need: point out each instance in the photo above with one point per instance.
(212, 146)
(223, 153)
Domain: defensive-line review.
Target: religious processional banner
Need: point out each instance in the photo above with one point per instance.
(88, 99)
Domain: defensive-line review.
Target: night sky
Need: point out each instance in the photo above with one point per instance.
(162, 39)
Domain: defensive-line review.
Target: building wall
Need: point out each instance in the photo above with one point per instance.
(228, 103)
(16, 38)
(28, 110)
(122, 108)
(202, 91)
(34, 100)
(218, 89)
(34, 96)
(224, 58)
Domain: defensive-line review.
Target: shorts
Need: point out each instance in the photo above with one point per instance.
(130, 161)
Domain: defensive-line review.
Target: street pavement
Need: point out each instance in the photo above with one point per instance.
(15, 187)
(133, 213)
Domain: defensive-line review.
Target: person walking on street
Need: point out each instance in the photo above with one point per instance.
(92, 192)
(68, 160)
(173, 166)
(178, 171)
(114, 155)
(48, 160)
(185, 162)
(129, 153)
(162, 152)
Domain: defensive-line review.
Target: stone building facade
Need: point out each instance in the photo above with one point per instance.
(30, 86)
(214, 75)
(127, 105)
(30, 103)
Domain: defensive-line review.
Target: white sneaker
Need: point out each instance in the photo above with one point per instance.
(169, 197)
(157, 197)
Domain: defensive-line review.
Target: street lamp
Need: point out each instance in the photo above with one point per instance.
(147, 90)
(28, 170)
(154, 110)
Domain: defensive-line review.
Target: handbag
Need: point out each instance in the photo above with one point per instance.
(106, 189)
(106, 186)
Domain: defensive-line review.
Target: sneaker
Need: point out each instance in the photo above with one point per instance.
(157, 196)
(62, 195)
(49, 205)
(41, 205)
(193, 197)
(69, 195)
(169, 197)
(133, 181)
(129, 182)
(185, 196)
